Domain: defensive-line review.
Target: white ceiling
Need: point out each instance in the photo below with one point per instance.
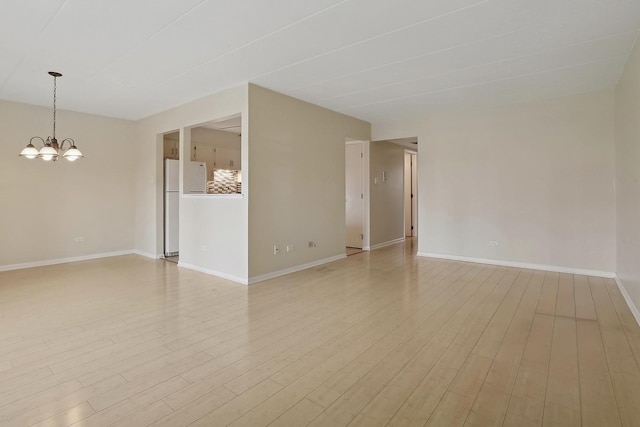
(233, 125)
(372, 59)
(410, 143)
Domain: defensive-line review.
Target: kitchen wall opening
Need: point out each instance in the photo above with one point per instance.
(215, 165)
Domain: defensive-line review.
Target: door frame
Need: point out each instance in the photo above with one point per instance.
(413, 185)
(158, 180)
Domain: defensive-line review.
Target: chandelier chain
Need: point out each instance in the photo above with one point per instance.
(54, 105)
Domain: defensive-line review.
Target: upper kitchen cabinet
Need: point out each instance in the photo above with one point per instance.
(171, 144)
(227, 158)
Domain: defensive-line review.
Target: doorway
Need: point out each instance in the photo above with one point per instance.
(410, 194)
(354, 195)
(171, 195)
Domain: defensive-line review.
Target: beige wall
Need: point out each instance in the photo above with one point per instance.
(627, 120)
(386, 197)
(538, 178)
(46, 205)
(296, 181)
(213, 229)
(114, 197)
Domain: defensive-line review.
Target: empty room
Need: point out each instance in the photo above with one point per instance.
(322, 213)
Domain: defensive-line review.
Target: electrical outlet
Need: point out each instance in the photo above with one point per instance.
(290, 248)
(493, 243)
(276, 249)
(312, 244)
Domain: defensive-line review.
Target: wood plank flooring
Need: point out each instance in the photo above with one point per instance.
(383, 338)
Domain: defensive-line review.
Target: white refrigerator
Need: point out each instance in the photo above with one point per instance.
(195, 183)
(171, 206)
(196, 178)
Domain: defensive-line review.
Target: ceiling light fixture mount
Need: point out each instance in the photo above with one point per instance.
(51, 148)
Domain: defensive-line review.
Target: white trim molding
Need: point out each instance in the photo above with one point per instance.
(627, 298)
(219, 274)
(389, 243)
(267, 276)
(63, 260)
(147, 254)
(554, 268)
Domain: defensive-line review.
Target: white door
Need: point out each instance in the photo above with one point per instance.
(414, 192)
(354, 195)
(410, 195)
(408, 212)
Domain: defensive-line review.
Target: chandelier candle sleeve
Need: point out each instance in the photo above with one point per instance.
(50, 148)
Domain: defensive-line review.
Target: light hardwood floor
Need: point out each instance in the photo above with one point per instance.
(380, 338)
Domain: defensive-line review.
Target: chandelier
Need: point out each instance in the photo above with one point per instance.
(51, 148)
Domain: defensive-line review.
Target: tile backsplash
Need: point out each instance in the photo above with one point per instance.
(224, 182)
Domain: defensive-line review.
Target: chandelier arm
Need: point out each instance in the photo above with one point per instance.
(69, 140)
(37, 137)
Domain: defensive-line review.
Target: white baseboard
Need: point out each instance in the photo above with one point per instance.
(389, 243)
(63, 260)
(262, 277)
(555, 268)
(220, 274)
(146, 254)
(627, 298)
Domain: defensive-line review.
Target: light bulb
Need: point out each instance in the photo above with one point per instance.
(30, 152)
(72, 154)
(48, 153)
